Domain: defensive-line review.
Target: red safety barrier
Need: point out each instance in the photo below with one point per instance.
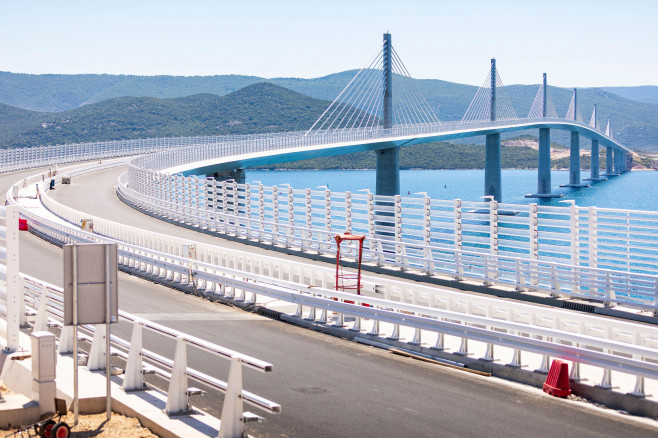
(557, 381)
(22, 224)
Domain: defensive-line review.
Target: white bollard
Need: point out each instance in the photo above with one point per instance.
(133, 378)
(231, 425)
(177, 399)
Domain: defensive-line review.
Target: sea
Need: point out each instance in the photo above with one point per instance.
(636, 190)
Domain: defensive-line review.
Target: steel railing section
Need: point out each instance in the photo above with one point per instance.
(603, 254)
(611, 345)
(37, 290)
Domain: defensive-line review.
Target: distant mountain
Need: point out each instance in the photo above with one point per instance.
(642, 93)
(261, 107)
(634, 123)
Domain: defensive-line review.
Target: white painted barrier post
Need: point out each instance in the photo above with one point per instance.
(177, 399)
(231, 425)
(14, 289)
(133, 379)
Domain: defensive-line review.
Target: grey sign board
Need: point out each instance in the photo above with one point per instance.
(90, 274)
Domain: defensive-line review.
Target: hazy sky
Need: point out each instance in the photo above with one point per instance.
(578, 42)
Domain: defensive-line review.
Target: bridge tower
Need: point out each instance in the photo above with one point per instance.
(574, 152)
(492, 171)
(388, 160)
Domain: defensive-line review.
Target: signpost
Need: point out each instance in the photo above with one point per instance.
(91, 297)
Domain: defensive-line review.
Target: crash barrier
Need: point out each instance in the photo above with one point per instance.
(46, 302)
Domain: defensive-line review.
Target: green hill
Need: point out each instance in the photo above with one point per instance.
(635, 123)
(260, 107)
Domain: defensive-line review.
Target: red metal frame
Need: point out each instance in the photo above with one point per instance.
(340, 277)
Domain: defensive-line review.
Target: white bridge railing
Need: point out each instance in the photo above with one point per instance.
(12, 159)
(594, 253)
(216, 271)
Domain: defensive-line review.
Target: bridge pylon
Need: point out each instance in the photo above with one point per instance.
(594, 159)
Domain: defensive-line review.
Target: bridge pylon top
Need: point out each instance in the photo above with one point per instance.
(382, 94)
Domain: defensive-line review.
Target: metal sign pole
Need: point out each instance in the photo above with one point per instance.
(76, 410)
(108, 305)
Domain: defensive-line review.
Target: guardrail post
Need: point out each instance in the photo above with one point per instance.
(371, 223)
(593, 237)
(96, 360)
(610, 292)
(463, 348)
(177, 398)
(231, 425)
(606, 381)
(275, 214)
(290, 232)
(417, 340)
(516, 359)
(348, 212)
(309, 215)
(573, 218)
(395, 334)
(533, 221)
(375, 331)
(427, 235)
(639, 388)
(459, 267)
(133, 378)
(397, 215)
(440, 342)
(14, 290)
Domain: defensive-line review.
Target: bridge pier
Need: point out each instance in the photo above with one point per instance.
(492, 165)
(595, 163)
(609, 162)
(617, 162)
(544, 167)
(574, 162)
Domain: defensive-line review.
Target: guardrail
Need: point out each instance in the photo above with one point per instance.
(622, 349)
(48, 300)
(606, 255)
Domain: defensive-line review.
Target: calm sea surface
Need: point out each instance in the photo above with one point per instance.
(633, 190)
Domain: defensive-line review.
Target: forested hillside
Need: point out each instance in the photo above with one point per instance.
(634, 119)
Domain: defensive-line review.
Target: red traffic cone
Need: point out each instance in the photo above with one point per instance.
(557, 381)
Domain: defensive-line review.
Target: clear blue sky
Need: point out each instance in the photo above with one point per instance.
(577, 42)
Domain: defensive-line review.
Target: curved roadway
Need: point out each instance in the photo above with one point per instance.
(328, 387)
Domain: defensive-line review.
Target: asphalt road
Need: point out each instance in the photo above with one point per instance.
(328, 387)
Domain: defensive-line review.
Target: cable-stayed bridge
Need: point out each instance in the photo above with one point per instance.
(382, 109)
(599, 255)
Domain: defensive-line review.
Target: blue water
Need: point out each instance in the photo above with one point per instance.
(633, 190)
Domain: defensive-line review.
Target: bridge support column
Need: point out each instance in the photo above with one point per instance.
(492, 166)
(574, 162)
(595, 163)
(617, 161)
(544, 167)
(609, 169)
